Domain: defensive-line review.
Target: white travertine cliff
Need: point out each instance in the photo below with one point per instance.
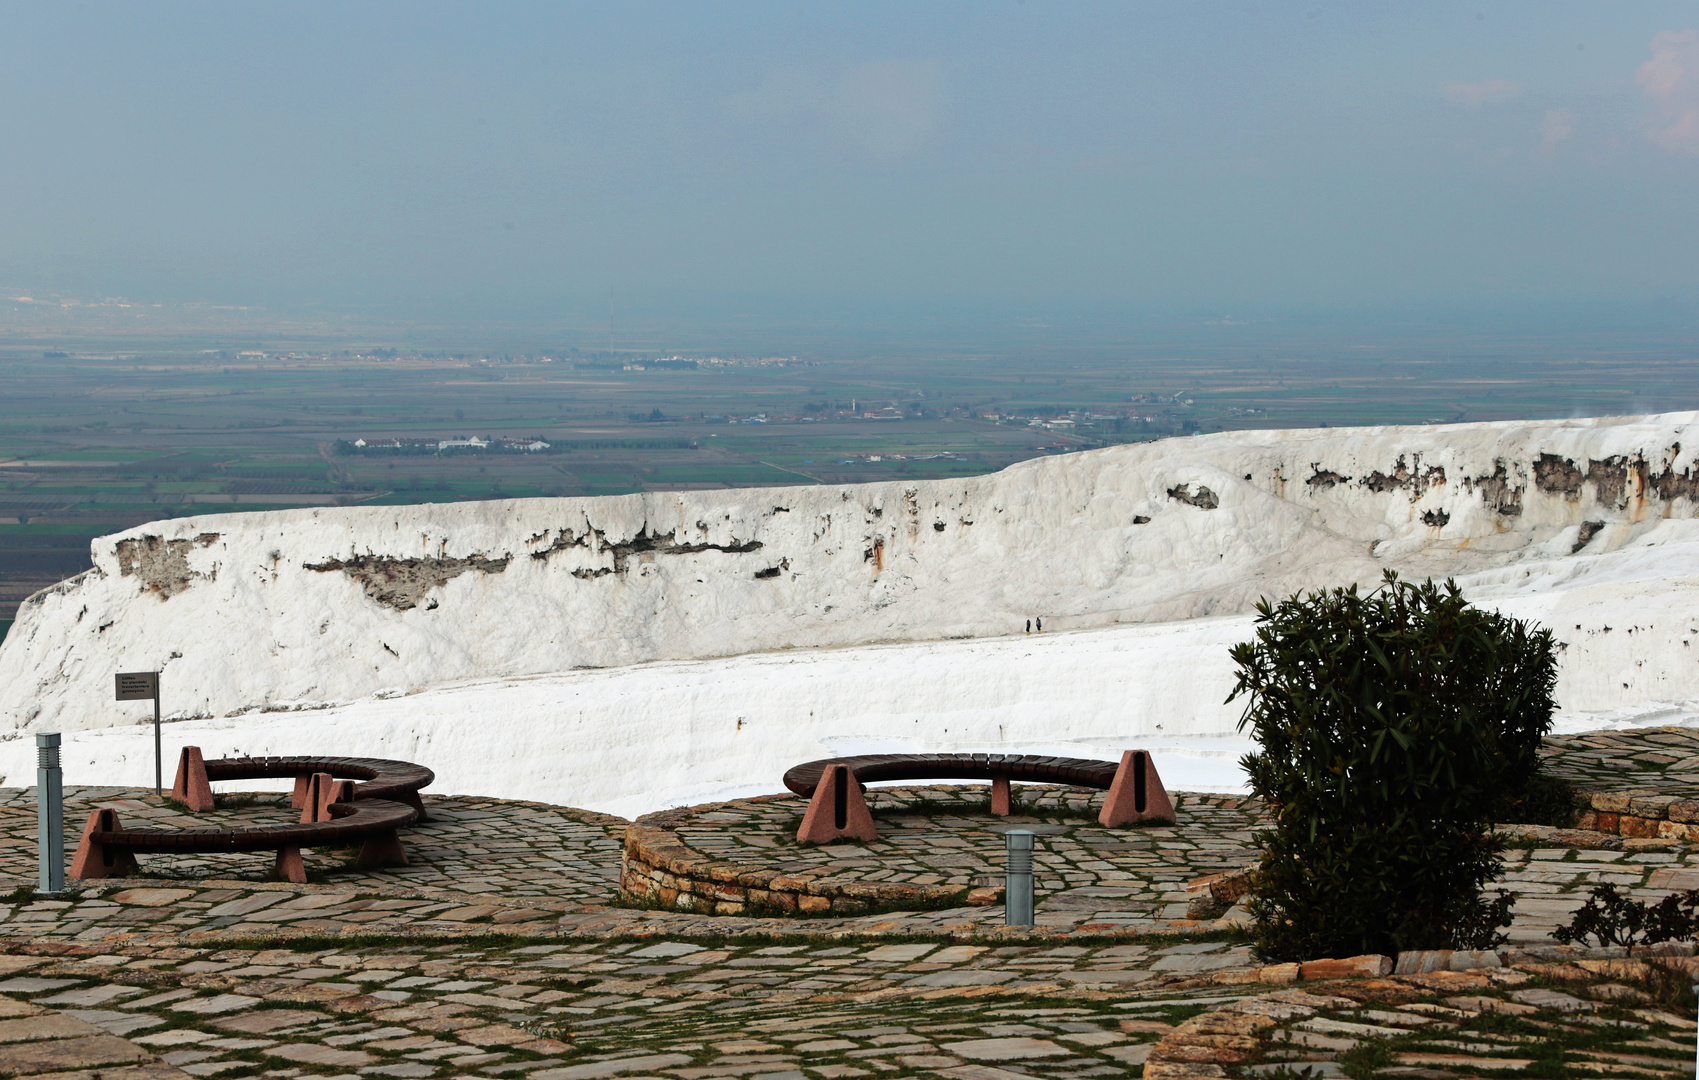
(1587, 525)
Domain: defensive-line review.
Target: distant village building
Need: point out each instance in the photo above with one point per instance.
(439, 445)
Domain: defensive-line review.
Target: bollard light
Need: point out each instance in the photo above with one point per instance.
(1017, 884)
(50, 814)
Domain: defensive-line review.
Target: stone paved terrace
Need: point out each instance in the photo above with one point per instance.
(942, 841)
(1663, 761)
(497, 954)
(804, 1008)
(471, 845)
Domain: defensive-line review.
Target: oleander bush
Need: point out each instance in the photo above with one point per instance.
(1395, 727)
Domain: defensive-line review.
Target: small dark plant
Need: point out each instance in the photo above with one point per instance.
(1391, 727)
(1669, 984)
(1614, 919)
(1544, 800)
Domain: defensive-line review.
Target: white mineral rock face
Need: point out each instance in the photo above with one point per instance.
(1583, 524)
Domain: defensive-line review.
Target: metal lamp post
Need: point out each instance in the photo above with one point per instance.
(1017, 885)
(50, 813)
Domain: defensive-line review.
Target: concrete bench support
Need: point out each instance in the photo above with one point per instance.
(1137, 793)
(289, 866)
(837, 810)
(384, 849)
(95, 859)
(191, 787)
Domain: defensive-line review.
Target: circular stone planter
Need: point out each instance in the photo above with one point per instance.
(938, 847)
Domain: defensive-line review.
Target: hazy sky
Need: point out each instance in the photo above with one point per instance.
(852, 157)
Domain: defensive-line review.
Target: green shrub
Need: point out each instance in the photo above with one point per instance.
(1614, 919)
(1544, 800)
(1394, 727)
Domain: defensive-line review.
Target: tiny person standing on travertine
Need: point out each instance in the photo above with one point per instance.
(1029, 626)
(1041, 624)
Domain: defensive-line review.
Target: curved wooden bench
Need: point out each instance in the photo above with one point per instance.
(343, 801)
(874, 768)
(375, 778)
(837, 810)
(350, 823)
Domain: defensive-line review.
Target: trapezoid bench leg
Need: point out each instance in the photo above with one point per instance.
(96, 860)
(191, 787)
(333, 791)
(412, 799)
(1000, 799)
(320, 793)
(289, 866)
(837, 810)
(1137, 793)
(384, 849)
(298, 800)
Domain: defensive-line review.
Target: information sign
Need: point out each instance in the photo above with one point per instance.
(142, 686)
(137, 685)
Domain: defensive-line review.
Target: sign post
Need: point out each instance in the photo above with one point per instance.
(139, 686)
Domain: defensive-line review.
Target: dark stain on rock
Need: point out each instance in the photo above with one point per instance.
(402, 583)
(1202, 498)
(566, 540)
(1558, 476)
(1409, 477)
(1613, 477)
(1140, 519)
(645, 542)
(1439, 519)
(1321, 479)
(1610, 481)
(1497, 492)
(875, 553)
(163, 565)
(770, 572)
(1589, 529)
(1670, 485)
(937, 526)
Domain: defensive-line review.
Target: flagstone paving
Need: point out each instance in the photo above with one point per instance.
(820, 1007)
(1570, 1017)
(1652, 761)
(944, 841)
(498, 952)
(471, 845)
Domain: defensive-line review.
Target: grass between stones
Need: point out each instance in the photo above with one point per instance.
(505, 1012)
(307, 943)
